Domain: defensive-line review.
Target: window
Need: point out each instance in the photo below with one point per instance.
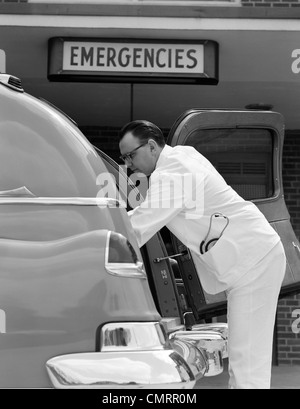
(244, 157)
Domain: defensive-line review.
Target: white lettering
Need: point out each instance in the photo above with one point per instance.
(137, 196)
(108, 186)
(129, 400)
(296, 62)
(2, 322)
(296, 323)
(170, 191)
(194, 191)
(171, 398)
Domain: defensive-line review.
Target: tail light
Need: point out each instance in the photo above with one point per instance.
(121, 258)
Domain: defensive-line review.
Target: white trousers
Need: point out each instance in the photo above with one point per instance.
(252, 304)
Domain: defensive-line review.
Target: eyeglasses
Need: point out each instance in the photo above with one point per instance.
(128, 156)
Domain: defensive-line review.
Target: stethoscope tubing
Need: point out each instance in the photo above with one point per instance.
(205, 249)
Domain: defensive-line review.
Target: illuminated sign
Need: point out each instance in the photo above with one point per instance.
(132, 60)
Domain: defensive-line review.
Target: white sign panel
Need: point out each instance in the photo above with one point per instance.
(134, 57)
(133, 60)
(2, 62)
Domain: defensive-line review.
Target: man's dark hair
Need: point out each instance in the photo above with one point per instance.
(143, 130)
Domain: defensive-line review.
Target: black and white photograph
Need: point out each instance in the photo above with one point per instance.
(149, 197)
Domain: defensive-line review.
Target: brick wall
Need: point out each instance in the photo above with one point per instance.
(291, 176)
(288, 331)
(270, 3)
(288, 342)
(14, 1)
(107, 139)
(244, 3)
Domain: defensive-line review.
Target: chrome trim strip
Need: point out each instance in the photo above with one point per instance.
(135, 369)
(106, 255)
(67, 201)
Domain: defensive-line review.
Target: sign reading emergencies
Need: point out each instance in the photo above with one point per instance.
(130, 60)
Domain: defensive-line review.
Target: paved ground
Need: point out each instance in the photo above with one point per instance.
(283, 377)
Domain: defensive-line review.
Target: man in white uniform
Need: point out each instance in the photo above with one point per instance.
(247, 261)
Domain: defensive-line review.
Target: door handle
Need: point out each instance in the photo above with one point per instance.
(159, 259)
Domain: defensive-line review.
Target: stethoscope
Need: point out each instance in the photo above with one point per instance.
(204, 247)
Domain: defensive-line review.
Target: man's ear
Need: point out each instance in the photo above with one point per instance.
(153, 145)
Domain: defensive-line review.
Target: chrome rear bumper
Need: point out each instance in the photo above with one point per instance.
(139, 355)
(132, 369)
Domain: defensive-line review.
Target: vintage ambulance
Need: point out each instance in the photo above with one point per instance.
(76, 308)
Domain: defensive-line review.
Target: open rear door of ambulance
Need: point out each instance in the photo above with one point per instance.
(245, 146)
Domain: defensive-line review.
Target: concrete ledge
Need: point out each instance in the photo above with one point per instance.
(197, 10)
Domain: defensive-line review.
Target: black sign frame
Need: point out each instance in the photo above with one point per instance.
(209, 76)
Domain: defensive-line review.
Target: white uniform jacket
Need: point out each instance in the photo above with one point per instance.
(185, 190)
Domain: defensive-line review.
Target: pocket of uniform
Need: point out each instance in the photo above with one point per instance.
(222, 257)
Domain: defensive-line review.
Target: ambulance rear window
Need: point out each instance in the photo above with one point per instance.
(243, 156)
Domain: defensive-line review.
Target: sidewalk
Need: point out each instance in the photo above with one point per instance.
(283, 377)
